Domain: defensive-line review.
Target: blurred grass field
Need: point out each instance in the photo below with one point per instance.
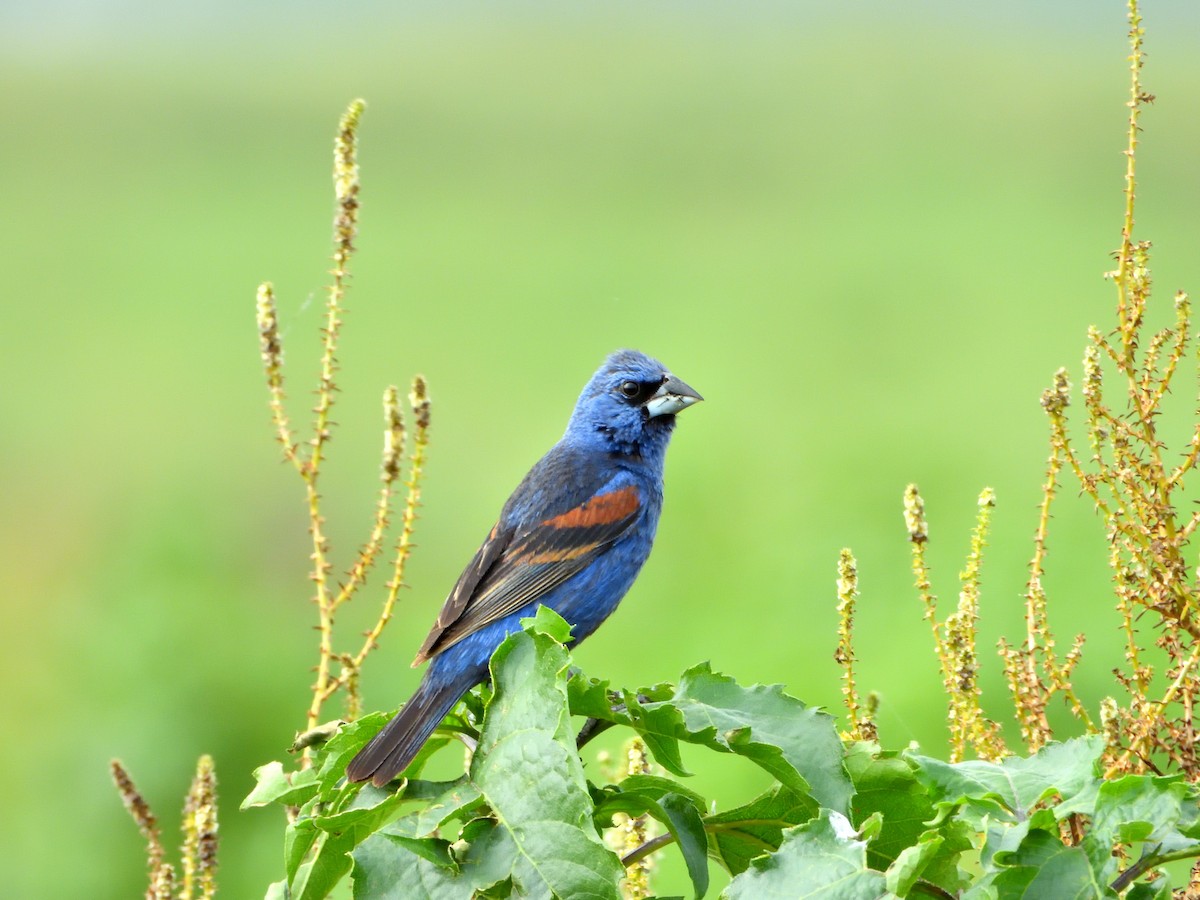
(867, 239)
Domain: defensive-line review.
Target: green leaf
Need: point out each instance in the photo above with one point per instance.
(1159, 889)
(823, 858)
(680, 811)
(637, 795)
(661, 726)
(591, 697)
(334, 754)
(1044, 867)
(274, 785)
(1189, 816)
(385, 869)
(1139, 808)
(737, 836)
(885, 784)
(539, 840)
(912, 861)
(435, 850)
(656, 786)
(325, 868)
(944, 869)
(317, 845)
(370, 809)
(797, 744)
(688, 831)
(527, 769)
(1002, 837)
(546, 621)
(489, 861)
(1012, 788)
(458, 797)
(298, 839)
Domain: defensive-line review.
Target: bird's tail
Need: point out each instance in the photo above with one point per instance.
(390, 751)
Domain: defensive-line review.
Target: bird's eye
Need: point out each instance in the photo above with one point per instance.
(631, 389)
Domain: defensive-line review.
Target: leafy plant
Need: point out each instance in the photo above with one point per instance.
(1094, 816)
(524, 821)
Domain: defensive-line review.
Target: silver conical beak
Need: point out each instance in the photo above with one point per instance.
(671, 397)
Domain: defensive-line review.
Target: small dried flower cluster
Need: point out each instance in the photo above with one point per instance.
(955, 638)
(862, 724)
(1138, 489)
(199, 856)
(329, 597)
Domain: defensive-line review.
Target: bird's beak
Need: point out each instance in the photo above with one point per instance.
(673, 396)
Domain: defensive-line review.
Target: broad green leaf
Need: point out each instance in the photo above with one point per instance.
(539, 840)
(1189, 815)
(1013, 787)
(885, 784)
(944, 869)
(612, 803)
(1002, 836)
(737, 836)
(298, 840)
(591, 697)
(527, 769)
(274, 785)
(394, 867)
(661, 726)
(370, 808)
(334, 754)
(435, 850)
(797, 744)
(680, 812)
(325, 868)
(633, 797)
(489, 859)
(457, 798)
(688, 830)
(1044, 867)
(657, 786)
(546, 621)
(912, 861)
(317, 846)
(821, 859)
(387, 870)
(1154, 890)
(1139, 808)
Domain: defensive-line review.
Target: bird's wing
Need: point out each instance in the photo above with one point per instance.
(516, 566)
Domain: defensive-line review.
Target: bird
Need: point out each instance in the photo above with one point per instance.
(573, 537)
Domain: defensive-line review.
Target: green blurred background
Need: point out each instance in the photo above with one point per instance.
(867, 232)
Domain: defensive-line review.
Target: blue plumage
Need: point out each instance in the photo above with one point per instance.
(572, 536)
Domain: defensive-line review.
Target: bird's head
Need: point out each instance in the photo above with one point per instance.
(629, 406)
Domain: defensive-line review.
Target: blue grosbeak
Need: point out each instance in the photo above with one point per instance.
(572, 537)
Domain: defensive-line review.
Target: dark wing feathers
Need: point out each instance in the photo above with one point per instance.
(515, 567)
(460, 595)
